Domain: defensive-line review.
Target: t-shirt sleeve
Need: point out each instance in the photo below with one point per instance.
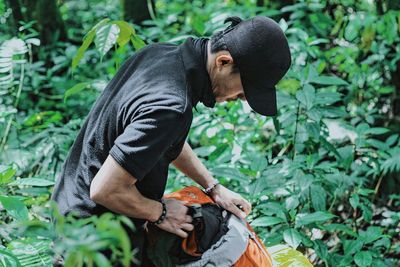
(145, 140)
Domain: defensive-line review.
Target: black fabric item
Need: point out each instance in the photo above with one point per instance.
(208, 231)
(261, 51)
(211, 228)
(165, 250)
(142, 119)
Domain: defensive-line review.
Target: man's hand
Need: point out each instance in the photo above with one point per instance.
(230, 201)
(188, 163)
(177, 220)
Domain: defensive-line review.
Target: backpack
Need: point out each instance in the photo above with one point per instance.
(239, 246)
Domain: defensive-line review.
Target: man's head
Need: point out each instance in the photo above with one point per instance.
(246, 60)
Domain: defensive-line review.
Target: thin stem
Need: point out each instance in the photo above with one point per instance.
(295, 130)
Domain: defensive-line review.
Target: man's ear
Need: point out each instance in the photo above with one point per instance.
(223, 60)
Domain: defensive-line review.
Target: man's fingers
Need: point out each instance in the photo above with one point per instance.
(235, 210)
(188, 218)
(243, 204)
(181, 233)
(246, 206)
(188, 227)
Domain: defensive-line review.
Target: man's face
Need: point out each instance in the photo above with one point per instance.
(226, 85)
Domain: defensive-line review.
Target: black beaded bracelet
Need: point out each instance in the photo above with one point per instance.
(163, 214)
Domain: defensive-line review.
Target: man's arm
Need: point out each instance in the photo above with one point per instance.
(114, 188)
(118, 193)
(188, 163)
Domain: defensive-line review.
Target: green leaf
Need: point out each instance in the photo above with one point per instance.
(352, 246)
(15, 207)
(292, 202)
(266, 221)
(32, 182)
(392, 164)
(392, 139)
(106, 37)
(8, 259)
(365, 191)
(87, 40)
(352, 29)
(306, 96)
(354, 201)
(363, 258)
(289, 85)
(126, 31)
(373, 233)
(137, 42)
(81, 51)
(321, 249)
(6, 175)
(42, 119)
(314, 114)
(98, 25)
(101, 260)
(316, 217)
(327, 98)
(230, 173)
(340, 227)
(386, 89)
(377, 144)
(318, 197)
(285, 256)
(75, 89)
(366, 212)
(347, 155)
(292, 237)
(32, 252)
(276, 125)
(198, 25)
(376, 131)
(328, 80)
(383, 242)
(330, 147)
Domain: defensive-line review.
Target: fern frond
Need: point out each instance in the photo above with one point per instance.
(392, 164)
(32, 252)
(11, 52)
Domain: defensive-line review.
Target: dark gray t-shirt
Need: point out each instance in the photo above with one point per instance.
(141, 119)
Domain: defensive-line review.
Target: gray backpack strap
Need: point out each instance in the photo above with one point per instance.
(228, 249)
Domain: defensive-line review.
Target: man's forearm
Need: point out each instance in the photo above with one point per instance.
(129, 202)
(188, 163)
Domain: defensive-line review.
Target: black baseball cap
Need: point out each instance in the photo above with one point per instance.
(260, 50)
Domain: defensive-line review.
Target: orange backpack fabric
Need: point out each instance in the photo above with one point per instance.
(255, 255)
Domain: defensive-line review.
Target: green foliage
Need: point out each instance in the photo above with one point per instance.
(31, 252)
(34, 241)
(286, 256)
(105, 34)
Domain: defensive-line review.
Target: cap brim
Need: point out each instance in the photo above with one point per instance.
(261, 99)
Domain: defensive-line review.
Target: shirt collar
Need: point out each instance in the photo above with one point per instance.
(194, 54)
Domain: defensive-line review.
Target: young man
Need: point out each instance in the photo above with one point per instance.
(138, 126)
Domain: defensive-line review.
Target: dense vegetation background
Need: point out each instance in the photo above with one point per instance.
(323, 176)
